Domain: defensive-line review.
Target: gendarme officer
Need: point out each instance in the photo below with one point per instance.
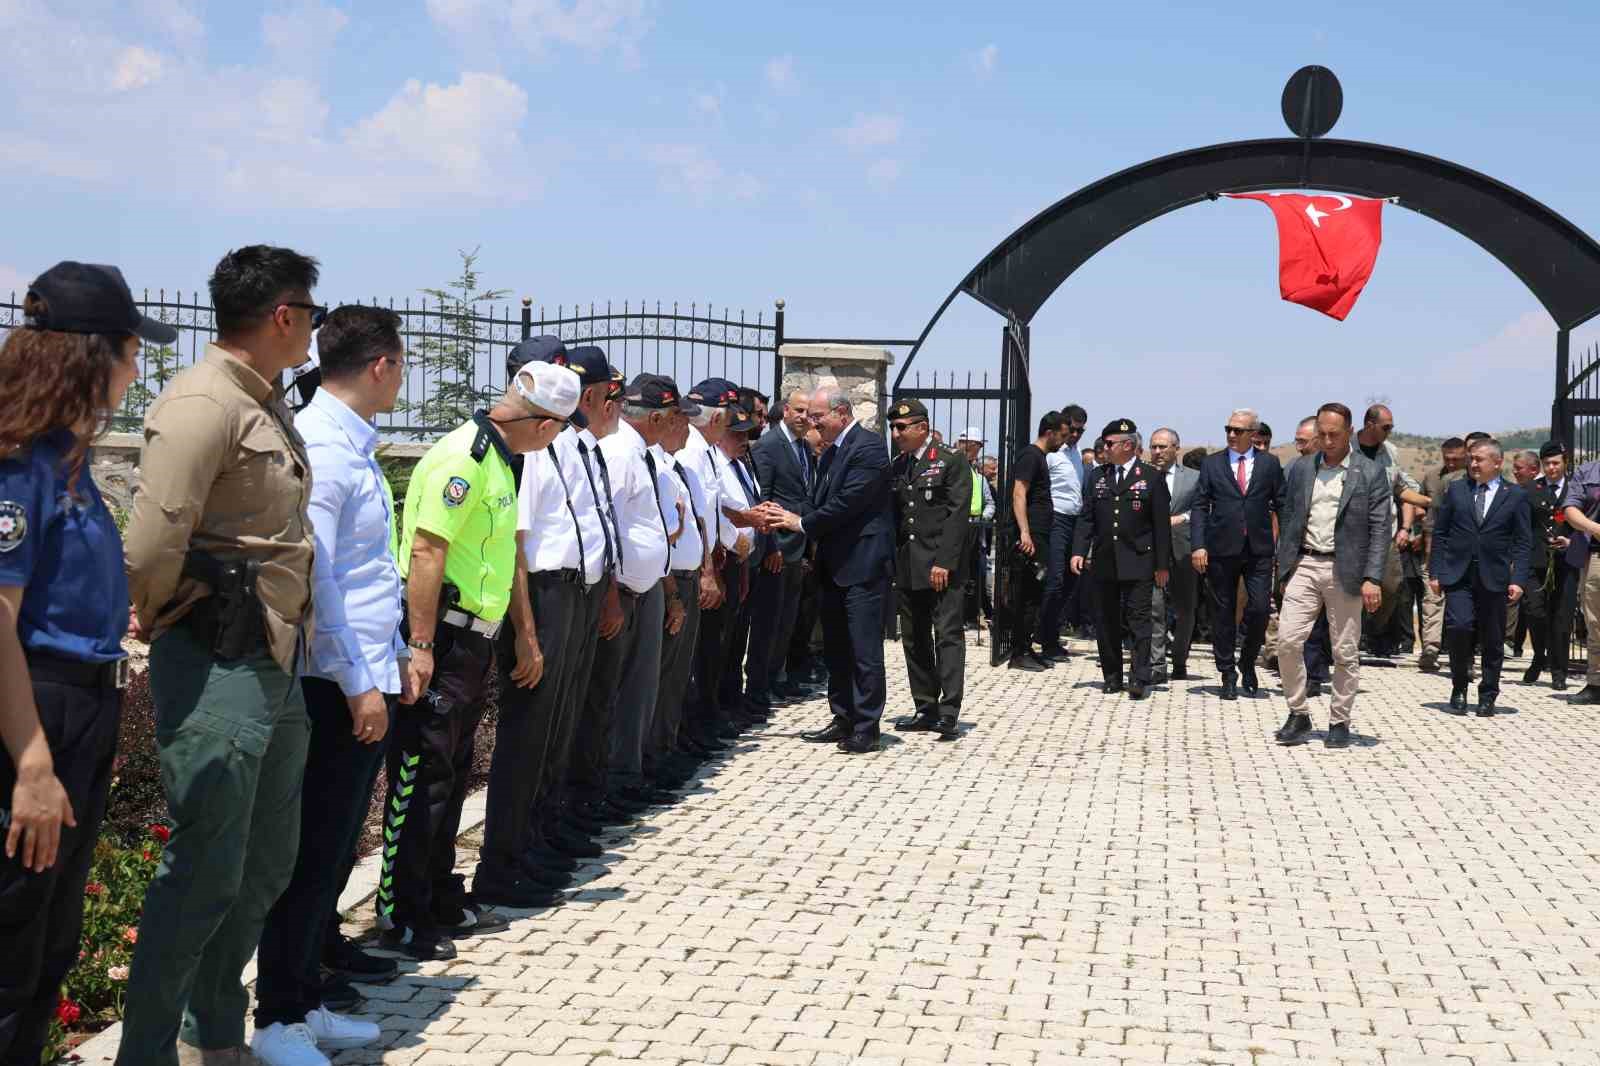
(1127, 530)
(932, 495)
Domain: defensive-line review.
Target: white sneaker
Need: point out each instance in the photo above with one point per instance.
(287, 1045)
(338, 1032)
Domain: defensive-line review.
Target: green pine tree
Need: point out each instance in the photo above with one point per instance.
(449, 354)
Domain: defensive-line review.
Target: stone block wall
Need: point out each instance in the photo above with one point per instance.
(862, 372)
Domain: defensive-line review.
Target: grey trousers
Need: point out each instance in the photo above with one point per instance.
(677, 659)
(636, 694)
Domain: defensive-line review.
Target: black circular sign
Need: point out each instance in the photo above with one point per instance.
(1312, 101)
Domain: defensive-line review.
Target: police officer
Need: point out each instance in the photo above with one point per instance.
(932, 501)
(1128, 531)
(459, 560)
(63, 613)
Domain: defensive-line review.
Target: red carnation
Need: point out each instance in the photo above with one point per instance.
(1561, 518)
(161, 832)
(93, 888)
(67, 1011)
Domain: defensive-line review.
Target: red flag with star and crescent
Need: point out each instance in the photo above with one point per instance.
(1327, 247)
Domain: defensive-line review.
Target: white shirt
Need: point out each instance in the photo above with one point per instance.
(355, 585)
(1171, 478)
(706, 462)
(542, 509)
(640, 514)
(1126, 468)
(1066, 479)
(688, 551)
(1249, 458)
(738, 484)
(1489, 492)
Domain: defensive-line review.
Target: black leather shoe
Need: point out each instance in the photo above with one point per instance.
(1113, 685)
(1531, 675)
(414, 945)
(1486, 706)
(1458, 700)
(341, 996)
(1230, 689)
(1558, 680)
(917, 723)
(1248, 682)
(520, 893)
(1294, 731)
(1428, 664)
(1313, 689)
(1180, 673)
(1338, 736)
(859, 744)
(576, 847)
(1288, 724)
(1031, 663)
(949, 727)
(1158, 677)
(1043, 660)
(835, 732)
(1137, 691)
(1057, 654)
(343, 959)
(1588, 694)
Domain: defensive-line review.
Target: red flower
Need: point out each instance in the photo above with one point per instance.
(67, 1011)
(93, 888)
(131, 935)
(161, 832)
(1561, 518)
(148, 854)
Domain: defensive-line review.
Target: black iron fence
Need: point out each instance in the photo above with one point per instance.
(456, 353)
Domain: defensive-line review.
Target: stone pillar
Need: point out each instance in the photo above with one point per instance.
(861, 371)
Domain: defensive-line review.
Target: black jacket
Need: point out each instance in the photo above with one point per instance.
(1225, 521)
(1126, 531)
(1499, 547)
(783, 482)
(932, 515)
(853, 521)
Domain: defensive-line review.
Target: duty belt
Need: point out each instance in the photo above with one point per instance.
(76, 672)
(463, 620)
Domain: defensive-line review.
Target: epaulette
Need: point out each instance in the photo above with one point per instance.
(481, 444)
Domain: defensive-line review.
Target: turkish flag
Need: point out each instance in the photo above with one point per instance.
(1327, 246)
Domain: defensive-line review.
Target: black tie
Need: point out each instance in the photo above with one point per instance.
(613, 550)
(555, 461)
(804, 454)
(687, 491)
(1483, 496)
(655, 483)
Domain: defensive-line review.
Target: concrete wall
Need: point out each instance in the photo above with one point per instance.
(862, 372)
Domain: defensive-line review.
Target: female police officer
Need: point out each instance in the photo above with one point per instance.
(63, 613)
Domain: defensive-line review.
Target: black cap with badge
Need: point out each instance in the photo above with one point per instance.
(90, 298)
(909, 409)
(543, 349)
(1117, 427)
(1551, 449)
(659, 393)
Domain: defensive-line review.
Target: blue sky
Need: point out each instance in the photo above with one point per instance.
(855, 159)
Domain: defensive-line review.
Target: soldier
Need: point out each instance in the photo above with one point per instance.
(1548, 605)
(1127, 528)
(932, 498)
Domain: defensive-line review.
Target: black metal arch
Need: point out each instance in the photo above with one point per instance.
(1558, 262)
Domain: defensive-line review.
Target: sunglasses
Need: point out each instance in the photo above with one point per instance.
(318, 313)
(1234, 431)
(901, 427)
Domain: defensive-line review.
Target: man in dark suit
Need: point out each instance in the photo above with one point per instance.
(932, 503)
(1126, 528)
(1482, 535)
(1331, 557)
(1239, 494)
(1548, 603)
(786, 472)
(1182, 586)
(852, 525)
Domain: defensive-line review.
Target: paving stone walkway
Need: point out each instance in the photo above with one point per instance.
(1081, 878)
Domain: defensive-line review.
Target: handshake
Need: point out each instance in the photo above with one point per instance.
(769, 516)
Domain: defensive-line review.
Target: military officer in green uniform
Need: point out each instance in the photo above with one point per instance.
(458, 558)
(932, 495)
(1126, 530)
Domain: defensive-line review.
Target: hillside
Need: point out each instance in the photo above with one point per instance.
(1418, 455)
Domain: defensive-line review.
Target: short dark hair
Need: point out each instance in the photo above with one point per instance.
(1451, 444)
(1052, 421)
(1193, 458)
(1073, 413)
(1372, 413)
(247, 281)
(353, 336)
(1342, 411)
(1477, 435)
(1264, 429)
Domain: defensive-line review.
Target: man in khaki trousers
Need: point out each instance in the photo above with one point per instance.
(1333, 547)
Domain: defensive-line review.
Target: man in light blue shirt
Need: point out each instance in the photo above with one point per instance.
(352, 680)
(1066, 500)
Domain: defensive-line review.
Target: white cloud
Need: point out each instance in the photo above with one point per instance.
(709, 104)
(689, 170)
(453, 127)
(984, 60)
(883, 173)
(536, 26)
(135, 68)
(177, 20)
(303, 29)
(780, 73)
(872, 131)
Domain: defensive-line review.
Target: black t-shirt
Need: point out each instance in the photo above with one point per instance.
(1032, 470)
(1373, 452)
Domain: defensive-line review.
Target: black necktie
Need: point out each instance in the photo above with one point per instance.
(655, 483)
(804, 455)
(555, 461)
(687, 491)
(1483, 496)
(613, 550)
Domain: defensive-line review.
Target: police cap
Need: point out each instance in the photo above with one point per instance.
(1118, 427)
(1551, 449)
(908, 409)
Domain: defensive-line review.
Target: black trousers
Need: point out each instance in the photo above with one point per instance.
(525, 728)
(591, 752)
(774, 606)
(736, 634)
(852, 636)
(934, 640)
(429, 759)
(1027, 592)
(1058, 582)
(576, 669)
(41, 914)
(340, 774)
(1180, 595)
(1124, 603)
(1549, 614)
(677, 662)
(1222, 575)
(802, 653)
(1475, 616)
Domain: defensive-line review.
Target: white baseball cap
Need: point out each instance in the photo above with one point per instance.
(972, 433)
(551, 388)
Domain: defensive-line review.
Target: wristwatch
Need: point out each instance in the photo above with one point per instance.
(420, 645)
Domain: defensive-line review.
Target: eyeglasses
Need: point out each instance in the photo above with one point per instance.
(901, 427)
(318, 313)
(1074, 429)
(564, 422)
(1234, 431)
